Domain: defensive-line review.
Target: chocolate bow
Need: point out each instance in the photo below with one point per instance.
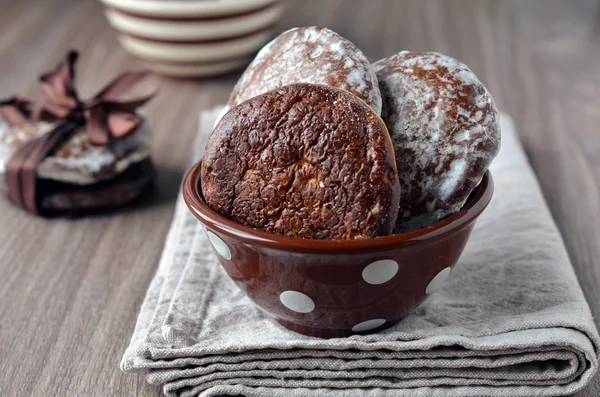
(105, 117)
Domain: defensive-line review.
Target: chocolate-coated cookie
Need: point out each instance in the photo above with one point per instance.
(77, 161)
(78, 177)
(309, 55)
(303, 160)
(445, 130)
(57, 197)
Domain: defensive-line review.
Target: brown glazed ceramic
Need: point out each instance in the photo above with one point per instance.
(334, 288)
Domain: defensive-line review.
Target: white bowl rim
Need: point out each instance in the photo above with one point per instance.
(187, 8)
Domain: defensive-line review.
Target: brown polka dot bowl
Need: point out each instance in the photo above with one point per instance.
(333, 288)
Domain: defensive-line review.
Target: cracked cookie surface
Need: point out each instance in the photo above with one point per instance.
(304, 160)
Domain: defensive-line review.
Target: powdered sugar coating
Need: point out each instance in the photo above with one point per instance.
(445, 129)
(77, 161)
(309, 55)
(13, 137)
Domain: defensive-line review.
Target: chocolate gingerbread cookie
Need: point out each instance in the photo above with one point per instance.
(77, 161)
(309, 55)
(304, 160)
(78, 176)
(59, 197)
(64, 154)
(445, 130)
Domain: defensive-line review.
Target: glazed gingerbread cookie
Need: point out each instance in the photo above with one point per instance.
(304, 160)
(309, 55)
(78, 176)
(445, 130)
(77, 161)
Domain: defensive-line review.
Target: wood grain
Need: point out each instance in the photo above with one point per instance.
(71, 289)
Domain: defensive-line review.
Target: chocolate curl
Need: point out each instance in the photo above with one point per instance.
(105, 122)
(15, 111)
(106, 119)
(106, 116)
(20, 110)
(13, 173)
(21, 170)
(121, 84)
(58, 85)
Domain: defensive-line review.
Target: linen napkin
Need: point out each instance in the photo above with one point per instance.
(511, 320)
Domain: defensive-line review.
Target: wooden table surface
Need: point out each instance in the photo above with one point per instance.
(71, 289)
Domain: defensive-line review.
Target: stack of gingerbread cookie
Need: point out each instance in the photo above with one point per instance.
(320, 143)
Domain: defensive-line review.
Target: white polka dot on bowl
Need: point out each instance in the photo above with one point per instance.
(368, 325)
(438, 281)
(380, 272)
(297, 301)
(219, 245)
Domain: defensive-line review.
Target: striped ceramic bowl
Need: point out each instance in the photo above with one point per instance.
(190, 38)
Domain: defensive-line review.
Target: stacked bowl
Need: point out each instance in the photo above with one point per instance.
(193, 38)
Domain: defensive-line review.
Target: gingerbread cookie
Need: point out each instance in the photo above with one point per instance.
(78, 176)
(59, 197)
(64, 154)
(77, 161)
(304, 160)
(445, 130)
(309, 55)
